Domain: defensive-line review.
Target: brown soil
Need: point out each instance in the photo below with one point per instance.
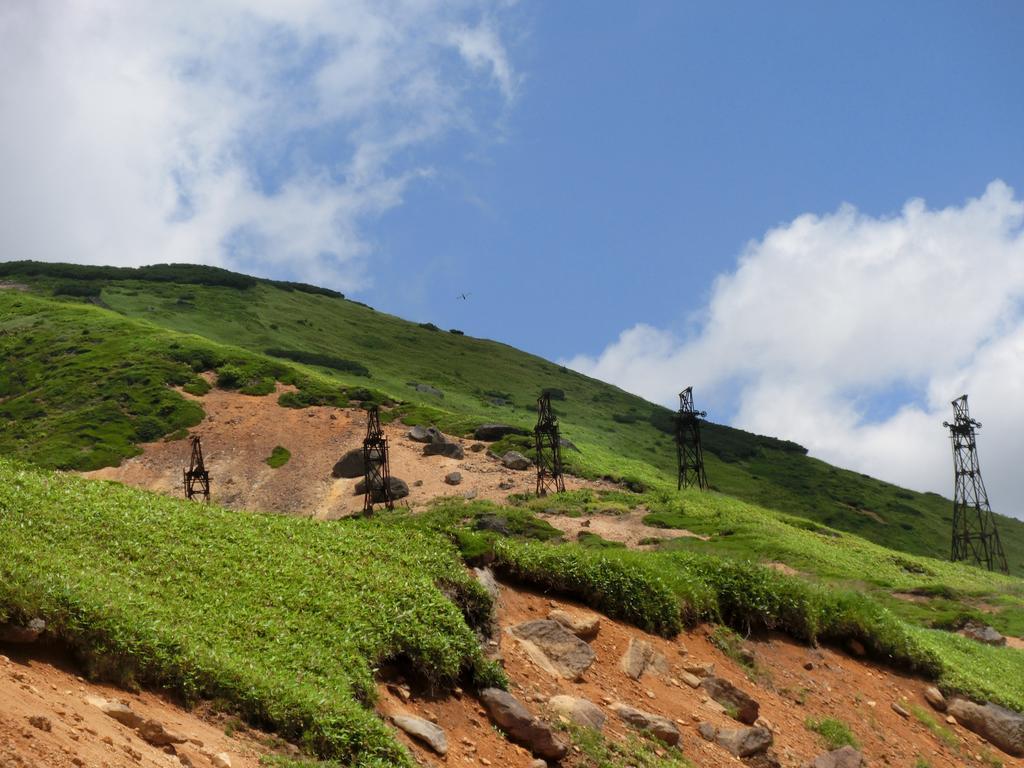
(240, 431)
(627, 528)
(41, 689)
(857, 692)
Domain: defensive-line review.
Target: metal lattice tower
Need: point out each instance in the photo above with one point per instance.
(975, 537)
(688, 448)
(376, 469)
(548, 443)
(197, 479)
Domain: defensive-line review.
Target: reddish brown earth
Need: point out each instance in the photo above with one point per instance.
(240, 431)
(38, 689)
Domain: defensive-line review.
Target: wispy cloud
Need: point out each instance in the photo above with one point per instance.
(829, 319)
(259, 134)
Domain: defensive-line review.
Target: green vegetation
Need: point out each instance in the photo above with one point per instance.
(834, 733)
(278, 457)
(928, 720)
(635, 751)
(278, 616)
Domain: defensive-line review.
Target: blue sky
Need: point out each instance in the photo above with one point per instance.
(777, 203)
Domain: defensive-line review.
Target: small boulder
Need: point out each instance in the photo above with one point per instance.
(399, 489)
(691, 680)
(639, 658)
(523, 728)
(15, 633)
(118, 711)
(739, 742)
(350, 464)
(578, 711)
(515, 460)
(221, 760)
(42, 722)
(900, 710)
(983, 634)
(426, 389)
(451, 450)
(491, 432)
(485, 578)
(732, 698)
(935, 698)
(154, 732)
(997, 725)
(469, 495)
(584, 627)
(699, 668)
(453, 478)
(844, 757)
(565, 654)
(506, 485)
(660, 727)
(424, 731)
(422, 434)
(477, 447)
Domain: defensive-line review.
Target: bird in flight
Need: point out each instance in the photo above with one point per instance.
(463, 296)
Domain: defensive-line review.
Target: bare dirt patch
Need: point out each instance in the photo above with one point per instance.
(46, 720)
(627, 528)
(240, 431)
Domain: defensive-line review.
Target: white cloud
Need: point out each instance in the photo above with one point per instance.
(827, 318)
(241, 133)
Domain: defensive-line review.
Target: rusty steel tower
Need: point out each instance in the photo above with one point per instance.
(688, 448)
(197, 479)
(376, 469)
(548, 443)
(975, 537)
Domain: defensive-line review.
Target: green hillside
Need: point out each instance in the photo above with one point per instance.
(295, 329)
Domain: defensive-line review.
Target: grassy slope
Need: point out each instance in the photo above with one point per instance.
(618, 432)
(281, 618)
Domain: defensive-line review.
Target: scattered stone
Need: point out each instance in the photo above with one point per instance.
(506, 485)
(983, 634)
(640, 657)
(491, 432)
(538, 764)
(15, 633)
(565, 654)
(399, 489)
(691, 680)
(453, 478)
(418, 483)
(660, 727)
(42, 722)
(451, 450)
(699, 668)
(739, 742)
(732, 698)
(856, 647)
(900, 710)
(522, 727)
(935, 698)
(470, 494)
(808, 665)
(221, 760)
(424, 731)
(477, 447)
(950, 719)
(584, 627)
(349, 465)
(579, 711)
(120, 712)
(425, 435)
(154, 732)
(997, 725)
(485, 577)
(845, 757)
(515, 460)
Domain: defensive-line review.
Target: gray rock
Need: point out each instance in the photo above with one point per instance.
(426, 389)
(568, 444)
(470, 494)
(154, 732)
(844, 757)
(935, 698)
(538, 764)
(477, 447)
(707, 731)
(744, 742)
(118, 711)
(584, 627)
(521, 727)
(350, 464)
(453, 478)
(578, 711)
(506, 485)
(491, 432)
(15, 633)
(983, 634)
(691, 680)
(421, 434)
(399, 489)
(567, 655)
(640, 657)
(450, 449)
(699, 668)
(899, 710)
(485, 578)
(997, 725)
(515, 460)
(660, 727)
(732, 698)
(423, 730)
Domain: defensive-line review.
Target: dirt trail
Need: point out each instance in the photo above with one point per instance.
(240, 431)
(41, 689)
(857, 692)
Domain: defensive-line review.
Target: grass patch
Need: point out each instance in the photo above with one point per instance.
(635, 750)
(279, 617)
(941, 732)
(834, 733)
(278, 457)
